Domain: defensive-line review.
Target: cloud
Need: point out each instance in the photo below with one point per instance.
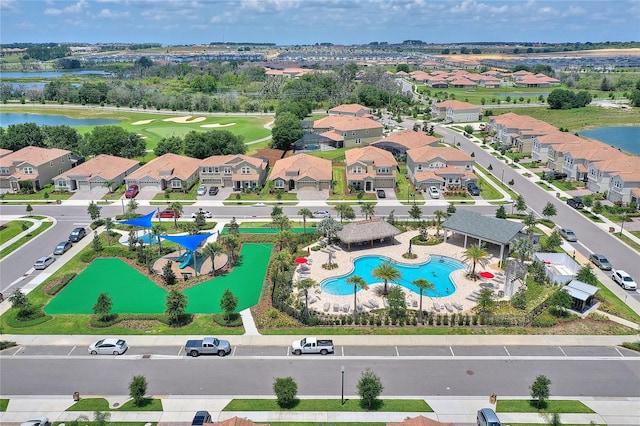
(9, 6)
(71, 9)
(108, 13)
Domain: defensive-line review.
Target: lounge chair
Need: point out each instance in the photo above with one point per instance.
(346, 308)
(448, 307)
(436, 306)
(336, 307)
(373, 303)
(326, 307)
(312, 300)
(359, 308)
(414, 303)
(458, 306)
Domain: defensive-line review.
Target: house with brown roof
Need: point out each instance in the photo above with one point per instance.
(170, 171)
(443, 167)
(34, 164)
(419, 421)
(103, 172)
(370, 168)
(348, 131)
(351, 110)
(623, 185)
(577, 157)
(235, 421)
(507, 128)
(455, 111)
(235, 171)
(302, 171)
(398, 143)
(599, 173)
(543, 147)
(4, 152)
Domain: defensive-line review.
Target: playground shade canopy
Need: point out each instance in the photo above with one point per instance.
(143, 221)
(190, 242)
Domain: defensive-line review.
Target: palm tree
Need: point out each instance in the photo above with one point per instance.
(530, 223)
(476, 254)
(156, 230)
(284, 238)
(305, 213)
(368, 210)
(439, 216)
(422, 285)
(281, 222)
(108, 224)
(212, 250)
(485, 302)
(305, 285)
(281, 262)
(358, 282)
(177, 208)
(344, 210)
(386, 272)
(523, 248)
(231, 242)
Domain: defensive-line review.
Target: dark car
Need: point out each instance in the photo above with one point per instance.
(553, 175)
(131, 191)
(168, 214)
(213, 190)
(473, 189)
(381, 193)
(62, 247)
(600, 261)
(201, 418)
(77, 234)
(575, 202)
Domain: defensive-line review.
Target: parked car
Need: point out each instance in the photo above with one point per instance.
(201, 418)
(109, 346)
(213, 190)
(168, 214)
(568, 235)
(624, 279)
(600, 261)
(380, 193)
(433, 192)
(206, 213)
(207, 345)
(77, 234)
(312, 345)
(131, 191)
(37, 421)
(554, 175)
(62, 247)
(487, 417)
(473, 189)
(575, 202)
(44, 262)
(321, 214)
(202, 190)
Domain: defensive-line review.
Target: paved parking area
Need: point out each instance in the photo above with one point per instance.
(94, 194)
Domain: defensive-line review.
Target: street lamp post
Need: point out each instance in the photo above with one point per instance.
(624, 217)
(502, 176)
(407, 192)
(342, 393)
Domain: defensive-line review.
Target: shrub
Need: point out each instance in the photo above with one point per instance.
(546, 319)
(286, 390)
(57, 285)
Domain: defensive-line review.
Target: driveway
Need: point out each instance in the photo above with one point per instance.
(312, 194)
(94, 194)
(223, 194)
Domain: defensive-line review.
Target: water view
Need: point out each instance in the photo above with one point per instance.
(7, 119)
(627, 138)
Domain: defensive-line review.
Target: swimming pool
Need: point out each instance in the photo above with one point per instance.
(436, 271)
(145, 238)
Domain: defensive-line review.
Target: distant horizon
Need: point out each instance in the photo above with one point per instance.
(310, 22)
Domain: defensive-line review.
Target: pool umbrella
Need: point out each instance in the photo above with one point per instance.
(308, 251)
(486, 274)
(300, 260)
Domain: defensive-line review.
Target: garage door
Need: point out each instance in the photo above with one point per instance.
(83, 185)
(148, 186)
(97, 185)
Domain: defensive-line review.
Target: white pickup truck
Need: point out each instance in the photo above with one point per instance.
(312, 345)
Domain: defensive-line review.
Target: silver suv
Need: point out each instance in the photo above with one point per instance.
(487, 417)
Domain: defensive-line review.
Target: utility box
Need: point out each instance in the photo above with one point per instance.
(76, 396)
(493, 398)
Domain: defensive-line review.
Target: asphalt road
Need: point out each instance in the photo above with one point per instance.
(400, 375)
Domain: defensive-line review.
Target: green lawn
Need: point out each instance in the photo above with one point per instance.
(4, 403)
(39, 195)
(24, 240)
(350, 405)
(335, 155)
(12, 229)
(101, 404)
(551, 406)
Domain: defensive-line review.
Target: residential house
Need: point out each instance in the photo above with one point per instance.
(577, 157)
(455, 111)
(443, 167)
(522, 139)
(419, 76)
(462, 83)
(351, 110)
(398, 143)
(349, 131)
(370, 168)
(103, 172)
(4, 152)
(35, 164)
(302, 171)
(170, 171)
(599, 173)
(233, 171)
(623, 186)
(544, 147)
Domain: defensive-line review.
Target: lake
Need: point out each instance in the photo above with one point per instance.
(626, 138)
(51, 120)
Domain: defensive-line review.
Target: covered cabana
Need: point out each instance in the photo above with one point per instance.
(367, 231)
(483, 228)
(581, 294)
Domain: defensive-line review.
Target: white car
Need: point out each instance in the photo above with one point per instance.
(206, 213)
(202, 190)
(109, 346)
(624, 279)
(37, 421)
(433, 192)
(321, 214)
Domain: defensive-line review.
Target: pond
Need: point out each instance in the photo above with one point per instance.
(626, 138)
(7, 119)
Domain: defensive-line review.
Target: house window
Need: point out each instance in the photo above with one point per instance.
(62, 159)
(353, 133)
(176, 184)
(28, 170)
(358, 141)
(204, 170)
(366, 131)
(62, 183)
(279, 183)
(60, 171)
(356, 170)
(383, 170)
(245, 170)
(419, 168)
(216, 170)
(4, 170)
(50, 163)
(227, 170)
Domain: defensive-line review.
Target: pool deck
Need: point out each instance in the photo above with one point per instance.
(344, 259)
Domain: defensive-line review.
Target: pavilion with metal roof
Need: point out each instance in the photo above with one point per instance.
(483, 228)
(367, 231)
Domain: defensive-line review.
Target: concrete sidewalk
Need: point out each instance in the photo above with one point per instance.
(180, 410)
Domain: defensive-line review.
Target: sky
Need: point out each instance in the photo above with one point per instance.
(290, 22)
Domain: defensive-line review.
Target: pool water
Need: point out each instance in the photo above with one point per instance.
(436, 271)
(145, 238)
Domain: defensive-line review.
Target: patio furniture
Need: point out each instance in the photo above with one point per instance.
(336, 307)
(359, 308)
(458, 306)
(436, 306)
(326, 307)
(346, 308)
(414, 303)
(448, 307)
(373, 303)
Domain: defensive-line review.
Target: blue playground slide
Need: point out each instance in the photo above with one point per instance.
(187, 260)
(182, 256)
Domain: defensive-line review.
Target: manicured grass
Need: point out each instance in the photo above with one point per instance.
(285, 196)
(334, 155)
(474, 95)
(178, 195)
(340, 189)
(398, 405)
(550, 406)
(39, 195)
(148, 404)
(267, 230)
(591, 216)
(614, 305)
(24, 240)
(83, 423)
(628, 241)
(90, 404)
(12, 229)
(496, 181)
(4, 403)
